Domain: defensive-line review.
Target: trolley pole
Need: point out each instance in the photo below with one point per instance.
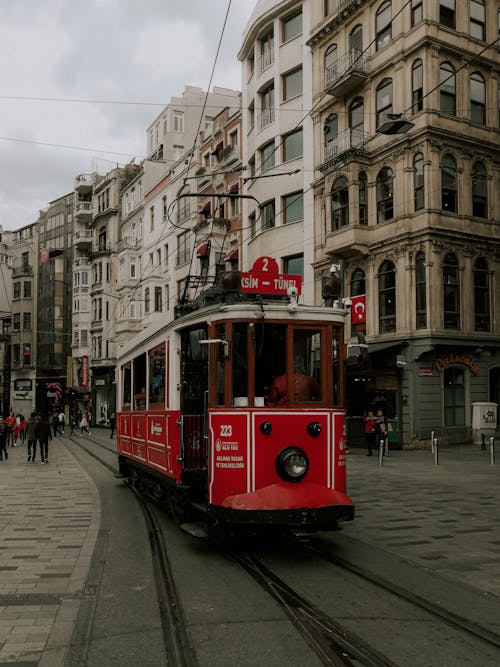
(381, 453)
(492, 450)
(436, 452)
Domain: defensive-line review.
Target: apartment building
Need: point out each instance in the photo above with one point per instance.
(407, 205)
(6, 241)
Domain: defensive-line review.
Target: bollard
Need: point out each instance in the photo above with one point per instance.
(432, 442)
(381, 454)
(386, 446)
(492, 450)
(436, 452)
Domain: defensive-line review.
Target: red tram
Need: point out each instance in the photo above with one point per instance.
(231, 413)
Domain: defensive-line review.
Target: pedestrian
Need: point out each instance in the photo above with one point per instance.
(61, 422)
(381, 428)
(112, 424)
(22, 429)
(54, 421)
(43, 433)
(370, 431)
(11, 425)
(4, 436)
(84, 425)
(31, 437)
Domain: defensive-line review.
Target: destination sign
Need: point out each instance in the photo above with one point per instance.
(264, 278)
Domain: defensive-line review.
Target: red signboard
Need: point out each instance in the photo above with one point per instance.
(358, 309)
(264, 278)
(84, 372)
(228, 455)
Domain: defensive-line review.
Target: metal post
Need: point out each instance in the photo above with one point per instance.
(381, 453)
(386, 440)
(432, 442)
(436, 452)
(492, 450)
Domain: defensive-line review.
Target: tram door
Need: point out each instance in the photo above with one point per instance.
(194, 406)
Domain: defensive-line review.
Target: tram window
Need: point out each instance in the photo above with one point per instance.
(140, 382)
(196, 351)
(240, 364)
(307, 362)
(269, 341)
(220, 383)
(157, 375)
(126, 387)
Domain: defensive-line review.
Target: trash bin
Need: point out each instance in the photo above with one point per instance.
(484, 420)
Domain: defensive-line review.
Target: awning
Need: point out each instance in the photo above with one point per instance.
(386, 345)
(203, 250)
(232, 256)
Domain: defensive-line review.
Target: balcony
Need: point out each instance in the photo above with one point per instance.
(83, 211)
(84, 183)
(127, 242)
(347, 74)
(83, 239)
(25, 270)
(349, 241)
(104, 248)
(265, 118)
(266, 60)
(346, 143)
(82, 262)
(229, 154)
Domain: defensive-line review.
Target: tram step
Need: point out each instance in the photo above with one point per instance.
(194, 529)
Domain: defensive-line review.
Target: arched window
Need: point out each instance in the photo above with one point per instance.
(357, 118)
(418, 181)
(363, 198)
(447, 89)
(451, 292)
(449, 184)
(420, 291)
(340, 203)
(330, 63)
(331, 128)
(383, 100)
(477, 19)
(387, 298)
(385, 205)
(358, 283)
(477, 98)
(454, 396)
(479, 190)
(481, 295)
(356, 41)
(417, 86)
(383, 24)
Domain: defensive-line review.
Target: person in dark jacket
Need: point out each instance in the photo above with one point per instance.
(31, 437)
(44, 434)
(4, 436)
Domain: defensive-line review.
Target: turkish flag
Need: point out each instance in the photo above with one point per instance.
(358, 309)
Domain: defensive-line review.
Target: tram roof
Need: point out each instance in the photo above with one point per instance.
(255, 311)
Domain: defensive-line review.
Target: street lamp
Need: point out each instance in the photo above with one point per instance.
(395, 124)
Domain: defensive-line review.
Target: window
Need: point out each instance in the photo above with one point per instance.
(158, 257)
(363, 198)
(383, 24)
(477, 98)
(477, 19)
(331, 6)
(330, 61)
(158, 300)
(266, 50)
(251, 115)
(294, 265)
(267, 156)
(268, 215)
(164, 206)
(252, 225)
(454, 396)
(418, 181)
(292, 26)
(420, 291)
(27, 290)
(356, 41)
(27, 321)
(16, 321)
(479, 190)
(84, 337)
(358, 283)
(449, 184)
(267, 107)
(147, 300)
(151, 218)
(447, 13)
(182, 248)
(292, 145)
(293, 207)
(133, 267)
(451, 292)
(16, 353)
(447, 92)
(330, 133)
(340, 203)
(292, 84)
(357, 118)
(481, 295)
(416, 12)
(385, 207)
(178, 121)
(387, 297)
(17, 290)
(384, 100)
(417, 86)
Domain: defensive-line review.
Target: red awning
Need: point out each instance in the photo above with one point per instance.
(232, 256)
(203, 250)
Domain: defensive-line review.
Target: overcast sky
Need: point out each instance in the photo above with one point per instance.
(143, 51)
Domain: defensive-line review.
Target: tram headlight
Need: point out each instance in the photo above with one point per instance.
(292, 464)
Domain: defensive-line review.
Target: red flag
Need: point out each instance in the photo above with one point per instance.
(358, 309)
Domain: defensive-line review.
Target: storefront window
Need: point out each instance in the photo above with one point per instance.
(454, 396)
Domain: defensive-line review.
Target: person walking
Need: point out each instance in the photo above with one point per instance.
(54, 422)
(61, 422)
(112, 424)
(31, 437)
(84, 425)
(11, 425)
(4, 436)
(43, 433)
(381, 428)
(370, 431)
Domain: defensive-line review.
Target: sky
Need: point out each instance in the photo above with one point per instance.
(81, 58)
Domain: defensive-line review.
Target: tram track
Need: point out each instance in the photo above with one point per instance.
(178, 646)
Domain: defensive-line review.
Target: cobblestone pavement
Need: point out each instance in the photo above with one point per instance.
(443, 517)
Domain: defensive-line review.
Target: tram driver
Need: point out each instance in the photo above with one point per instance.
(305, 388)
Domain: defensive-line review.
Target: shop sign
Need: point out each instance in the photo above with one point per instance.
(425, 372)
(443, 362)
(84, 372)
